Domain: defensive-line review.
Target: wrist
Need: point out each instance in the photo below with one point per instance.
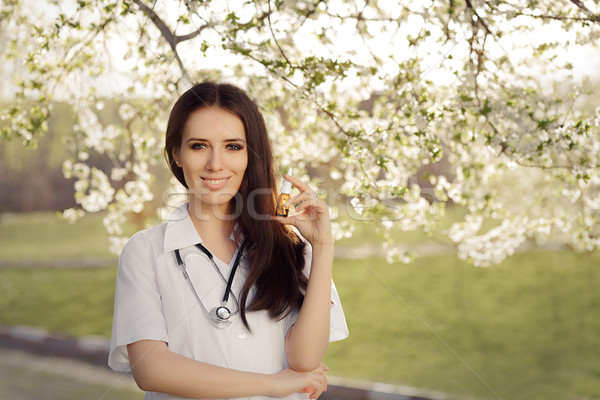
(322, 257)
(323, 252)
(267, 384)
(322, 245)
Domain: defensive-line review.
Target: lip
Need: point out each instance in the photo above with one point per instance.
(214, 183)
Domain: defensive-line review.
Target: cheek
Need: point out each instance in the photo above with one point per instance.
(193, 161)
(242, 163)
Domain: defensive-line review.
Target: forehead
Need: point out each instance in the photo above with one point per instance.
(214, 124)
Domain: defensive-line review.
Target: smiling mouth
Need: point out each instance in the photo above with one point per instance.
(215, 181)
(215, 184)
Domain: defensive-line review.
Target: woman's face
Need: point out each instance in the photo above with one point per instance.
(214, 156)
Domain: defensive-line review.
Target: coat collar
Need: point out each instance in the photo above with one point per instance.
(180, 231)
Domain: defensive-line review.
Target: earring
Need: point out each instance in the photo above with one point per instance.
(178, 163)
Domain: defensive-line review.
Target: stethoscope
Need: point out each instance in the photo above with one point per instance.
(219, 316)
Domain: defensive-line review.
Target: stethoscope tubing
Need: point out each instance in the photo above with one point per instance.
(217, 320)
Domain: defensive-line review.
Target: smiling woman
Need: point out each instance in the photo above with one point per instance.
(213, 157)
(225, 300)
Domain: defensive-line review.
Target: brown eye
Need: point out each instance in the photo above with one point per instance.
(234, 147)
(197, 146)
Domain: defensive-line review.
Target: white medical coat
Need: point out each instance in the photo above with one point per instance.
(153, 301)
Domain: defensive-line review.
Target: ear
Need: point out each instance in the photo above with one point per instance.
(175, 154)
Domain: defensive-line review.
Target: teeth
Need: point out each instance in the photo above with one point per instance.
(215, 181)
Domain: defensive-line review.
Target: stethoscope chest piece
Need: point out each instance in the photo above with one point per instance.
(221, 317)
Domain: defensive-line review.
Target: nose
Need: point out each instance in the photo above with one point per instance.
(215, 161)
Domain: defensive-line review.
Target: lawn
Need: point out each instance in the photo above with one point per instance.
(526, 329)
(42, 236)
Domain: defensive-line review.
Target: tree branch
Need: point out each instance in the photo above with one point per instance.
(479, 21)
(333, 119)
(560, 17)
(159, 23)
(591, 17)
(166, 33)
(522, 164)
(274, 38)
(270, 69)
(360, 17)
(191, 35)
(582, 7)
(311, 11)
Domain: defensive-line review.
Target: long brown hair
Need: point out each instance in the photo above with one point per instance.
(275, 252)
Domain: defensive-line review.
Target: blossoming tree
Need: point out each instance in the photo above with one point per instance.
(409, 105)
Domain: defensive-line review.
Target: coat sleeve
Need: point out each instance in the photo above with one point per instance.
(138, 312)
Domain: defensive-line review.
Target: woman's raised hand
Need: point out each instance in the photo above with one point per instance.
(311, 214)
(289, 381)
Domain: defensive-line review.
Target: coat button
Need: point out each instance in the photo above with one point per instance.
(240, 334)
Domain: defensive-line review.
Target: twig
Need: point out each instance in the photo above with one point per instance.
(582, 7)
(559, 17)
(274, 38)
(479, 20)
(166, 33)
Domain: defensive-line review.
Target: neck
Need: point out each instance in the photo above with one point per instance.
(215, 220)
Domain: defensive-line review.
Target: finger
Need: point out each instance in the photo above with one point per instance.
(322, 387)
(290, 220)
(318, 388)
(312, 202)
(298, 184)
(322, 369)
(316, 393)
(299, 198)
(324, 382)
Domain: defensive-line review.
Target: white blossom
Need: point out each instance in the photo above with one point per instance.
(71, 215)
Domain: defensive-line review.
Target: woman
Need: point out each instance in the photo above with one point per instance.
(225, 300)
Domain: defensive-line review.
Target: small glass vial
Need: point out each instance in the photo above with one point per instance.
(286, 190)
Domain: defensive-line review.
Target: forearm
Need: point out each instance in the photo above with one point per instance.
(308, 338)
(157, 369)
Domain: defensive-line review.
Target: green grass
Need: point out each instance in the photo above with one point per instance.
(42, 236)
(74, 301)
(526, 329)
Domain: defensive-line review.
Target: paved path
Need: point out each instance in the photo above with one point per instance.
(36, 365)
(28, 376)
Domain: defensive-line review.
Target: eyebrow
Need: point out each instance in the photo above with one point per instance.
(225, 141)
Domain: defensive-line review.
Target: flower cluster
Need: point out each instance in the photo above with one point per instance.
(424, 108)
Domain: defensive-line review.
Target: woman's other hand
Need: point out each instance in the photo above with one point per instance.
(289, 381)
